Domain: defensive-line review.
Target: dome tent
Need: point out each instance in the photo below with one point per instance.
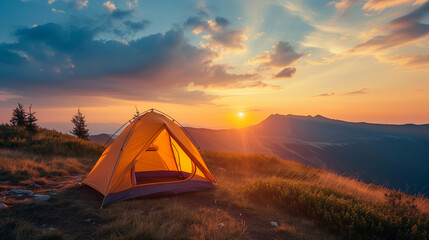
(151, 156)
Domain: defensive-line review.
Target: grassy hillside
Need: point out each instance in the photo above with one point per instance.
(253, 190)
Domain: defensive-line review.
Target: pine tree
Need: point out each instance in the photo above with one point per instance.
(19, 116)
(79, 129)
(31, 121)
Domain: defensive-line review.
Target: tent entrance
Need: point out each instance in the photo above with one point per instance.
(163, 161)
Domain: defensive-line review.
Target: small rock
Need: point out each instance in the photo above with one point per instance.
(3, 206)
(44, 225)
(53, 193)
(221, 225)
(52, 229)
(88, 219)
(19, 196)
(26, 193)
(274, 224)
(42, 197)
(33, 185)
(141, 212)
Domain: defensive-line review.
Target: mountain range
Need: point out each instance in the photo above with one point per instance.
(396, 156)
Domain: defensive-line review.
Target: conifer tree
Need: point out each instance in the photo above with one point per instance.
(80, 129)
(19, 116)
(31, 121)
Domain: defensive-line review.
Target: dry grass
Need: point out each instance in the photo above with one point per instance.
(167, 219)
(16, 166)
(234, 168)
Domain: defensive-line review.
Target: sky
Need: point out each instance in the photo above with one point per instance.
(215, 64)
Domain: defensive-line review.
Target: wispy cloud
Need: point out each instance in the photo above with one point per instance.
(400, 31)
(380, 5)
(58, 11)
(4, 96)
(361, 91)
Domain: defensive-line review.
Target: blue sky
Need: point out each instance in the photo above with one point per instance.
(357, 60)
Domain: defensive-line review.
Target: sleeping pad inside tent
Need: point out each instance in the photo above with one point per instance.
(151, 156)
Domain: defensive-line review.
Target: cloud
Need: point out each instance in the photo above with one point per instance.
(400, 31)
(325, 95)
(79, 4)
(357, 92)
(109, 6)
(137, 26)
(220, 21)
(51, 1)
(373, 5)
(287, 72)
(410, 60)
(4, 96)
(229, 39)
(56, 60)
(380, 5)
(418, 60)
(343, 4)
(133, 4)
(116, 12)
(283, 55)
(57, 11)
(219, 36)
(352, 93)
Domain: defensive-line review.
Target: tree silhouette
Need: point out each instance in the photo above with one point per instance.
(19, 116)
(79, 129)
(31, 121)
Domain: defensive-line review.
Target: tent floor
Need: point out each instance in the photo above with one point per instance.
(160, 176)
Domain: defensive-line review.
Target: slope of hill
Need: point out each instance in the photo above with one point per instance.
(102, 138)
(253, 190)
(394, 155)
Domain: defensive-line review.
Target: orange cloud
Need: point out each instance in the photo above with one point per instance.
(400, 31)
(380, 5)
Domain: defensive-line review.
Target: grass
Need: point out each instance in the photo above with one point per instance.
(346, 206)
(47, 143)
(46, 153)
(167, 219)
(12, 228)
(17, 166)
(253, 190)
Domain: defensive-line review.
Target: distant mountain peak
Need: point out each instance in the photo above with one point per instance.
(281, 116)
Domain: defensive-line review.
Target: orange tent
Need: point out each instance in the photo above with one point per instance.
(151, 156)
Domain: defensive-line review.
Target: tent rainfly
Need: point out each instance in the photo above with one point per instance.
(151, 156)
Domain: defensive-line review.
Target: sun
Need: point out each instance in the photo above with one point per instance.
(240, 114)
